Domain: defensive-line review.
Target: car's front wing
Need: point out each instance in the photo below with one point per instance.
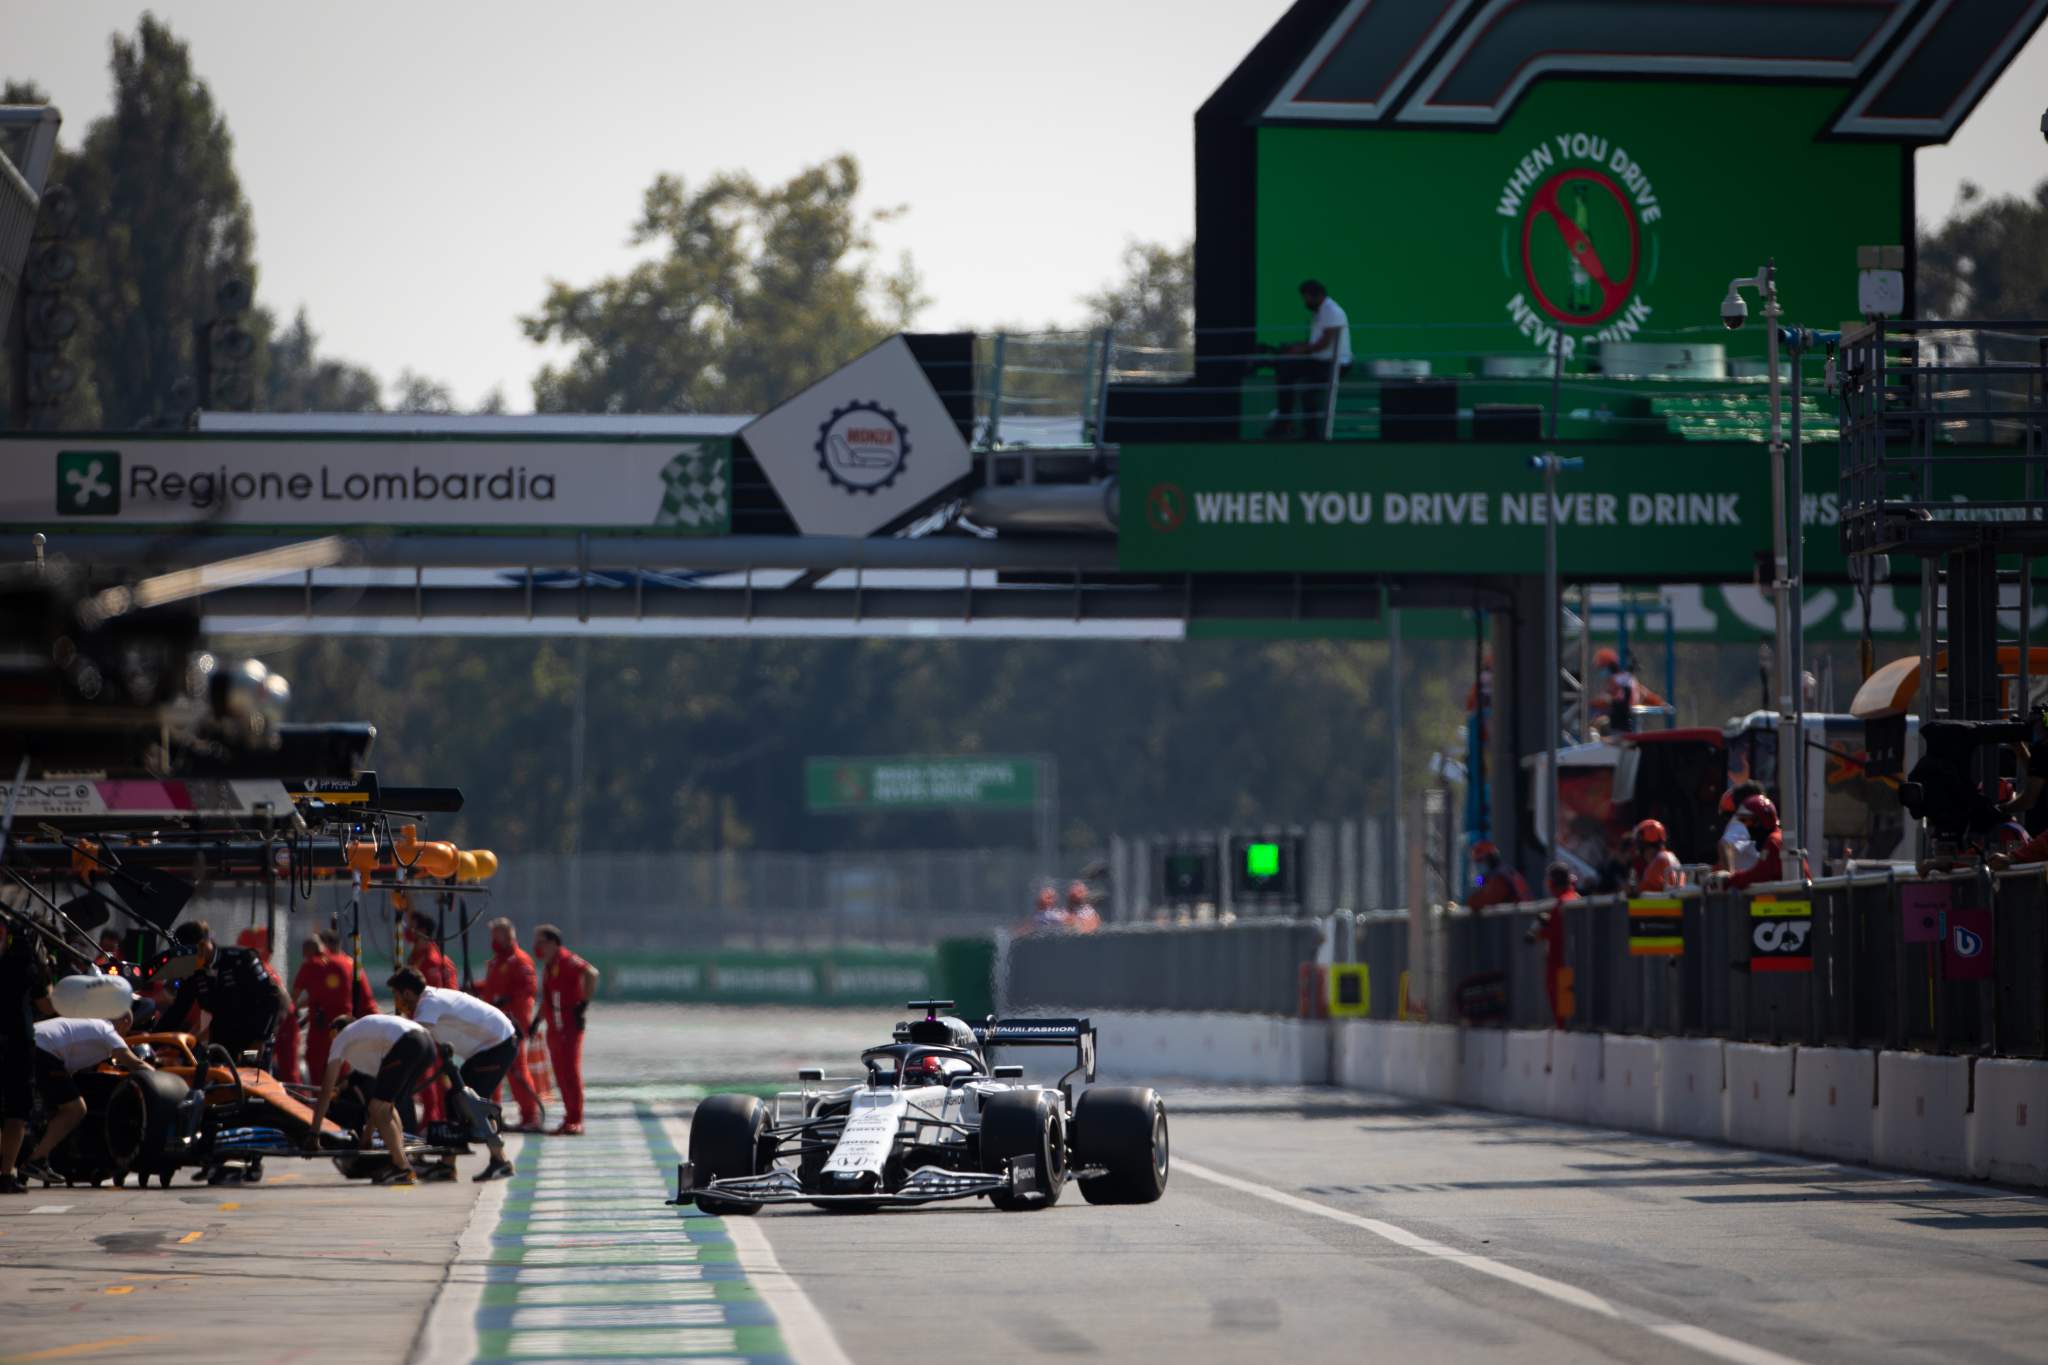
(926, 1185)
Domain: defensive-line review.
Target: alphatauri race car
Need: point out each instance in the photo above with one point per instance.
(932, 1119)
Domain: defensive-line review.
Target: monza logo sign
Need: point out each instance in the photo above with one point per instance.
(862, 447)
(88, 483)
(1580, 236)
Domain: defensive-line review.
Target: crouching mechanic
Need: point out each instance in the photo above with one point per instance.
(387, 1054)
(65, 1047)
(481, 1035)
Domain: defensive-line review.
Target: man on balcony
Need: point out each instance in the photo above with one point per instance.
(1304, 378)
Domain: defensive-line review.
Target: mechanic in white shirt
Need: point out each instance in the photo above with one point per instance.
(65, 1047)
(478, 1032)
(390, 1054)
(1304, 380)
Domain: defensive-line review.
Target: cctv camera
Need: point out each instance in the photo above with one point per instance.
(1734, 311)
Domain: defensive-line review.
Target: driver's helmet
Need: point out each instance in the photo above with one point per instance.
(932, 1069)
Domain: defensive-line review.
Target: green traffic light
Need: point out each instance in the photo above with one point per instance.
(1262, 860)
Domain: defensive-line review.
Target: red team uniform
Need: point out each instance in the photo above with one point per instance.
(511, 984)
(562, 1000)
(335, 989)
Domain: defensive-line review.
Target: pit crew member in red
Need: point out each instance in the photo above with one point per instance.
(566, 983)
(511, 984)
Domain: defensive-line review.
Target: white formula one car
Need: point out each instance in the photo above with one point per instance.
(933, 1120)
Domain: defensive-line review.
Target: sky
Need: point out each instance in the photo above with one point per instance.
(418, 177)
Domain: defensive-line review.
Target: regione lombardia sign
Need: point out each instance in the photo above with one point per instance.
(861, 447)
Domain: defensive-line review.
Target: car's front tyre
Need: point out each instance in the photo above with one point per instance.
(1025, 1123)
(725, 1140)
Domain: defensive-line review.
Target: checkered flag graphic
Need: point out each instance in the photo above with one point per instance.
(698, 494)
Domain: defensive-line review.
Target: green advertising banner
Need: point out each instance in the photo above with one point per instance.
(860, 785)
(1597, 212)
(1635, 511)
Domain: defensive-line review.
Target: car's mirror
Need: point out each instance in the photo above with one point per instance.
(810, 1073)
(1011, 1071)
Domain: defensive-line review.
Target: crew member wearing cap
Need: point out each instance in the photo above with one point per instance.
(1735, 852)
(1760, 816)
(65, 1047)
(1657, 867)
(241, 998)
(511, 983)
(387, 1056)
(479, 1034)
(1499, 884)
(566, 983)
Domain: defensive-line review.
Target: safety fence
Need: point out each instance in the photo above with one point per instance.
(1250, 967)
(1955, 964)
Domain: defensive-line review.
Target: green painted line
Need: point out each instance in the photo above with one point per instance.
(615, 1276)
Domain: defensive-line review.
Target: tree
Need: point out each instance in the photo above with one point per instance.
(299, 379)
(1988, 261)
(161, 222)
(757, 291)
(1153, 305)
(418, 393)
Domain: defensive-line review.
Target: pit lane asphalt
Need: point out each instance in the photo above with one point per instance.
(1638, 1249)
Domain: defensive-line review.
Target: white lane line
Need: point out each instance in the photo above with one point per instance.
(52, 1208)
(806, 1336)
(1714, 1344)
(1699, 1338)
(448, 1336)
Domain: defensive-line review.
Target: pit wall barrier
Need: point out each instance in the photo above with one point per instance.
(1985, 1118)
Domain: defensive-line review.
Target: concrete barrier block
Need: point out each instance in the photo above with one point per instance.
(1440, 1062)
(1760, 1110)
(1482, 1067)
(1692, 1081)
(1526, 1087)
(1404, 1058)
(1360, 1054)
(1629, 1070)
(2009, 1123)
(1834, 1102)
(1923, 1113)
(1574, 1076)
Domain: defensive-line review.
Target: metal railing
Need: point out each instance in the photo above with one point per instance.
(1435, 381)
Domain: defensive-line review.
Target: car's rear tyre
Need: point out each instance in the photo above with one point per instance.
(727, 1134)
(1029, 1123)
(1122, 1129)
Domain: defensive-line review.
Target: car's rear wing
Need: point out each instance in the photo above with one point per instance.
(1078, 1034)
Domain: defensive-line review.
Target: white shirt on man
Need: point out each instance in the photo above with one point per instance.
(1743, 849)
(364, 1043)
(463, 1022)
(1329, 317)
(79, 1043)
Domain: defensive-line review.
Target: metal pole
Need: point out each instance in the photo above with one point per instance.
(1556, 379)
(577, 717)
(1795, 540)
(1782, 586)
(1551, 717)
(1102, 387)
(1397, 723)
(992, 435)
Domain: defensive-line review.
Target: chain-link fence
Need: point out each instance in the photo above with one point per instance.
(769, 900)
